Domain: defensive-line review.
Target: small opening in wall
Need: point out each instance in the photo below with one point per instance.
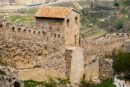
(13, 28)
(75, 39)
(58, 36)
(19, 29)
(29, 30)
(7, 24)
(55, 35)
(1, 25)
(24, 30)
(34, 32)
(76, 20)
(43, 32)
(68, 22)
(39, 32)
(9, 79)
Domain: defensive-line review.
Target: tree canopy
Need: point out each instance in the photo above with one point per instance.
(122, 63)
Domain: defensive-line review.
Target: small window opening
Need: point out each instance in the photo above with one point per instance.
(19, 29)
(13, 28)
(24, 30)
(1, 25)
(39, 32)
(43, 33)
(68, 22)
(29, 30)
(76, 20)
(34, 32)
(58, 36)
(55, 35)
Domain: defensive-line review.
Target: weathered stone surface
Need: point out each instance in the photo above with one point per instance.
(105, 69)
(7, 81)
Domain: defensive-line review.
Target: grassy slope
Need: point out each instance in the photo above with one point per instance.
(92, 35)
(26, 20)
(107, 83)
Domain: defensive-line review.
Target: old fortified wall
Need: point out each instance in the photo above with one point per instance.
(42, 51)
(24, 47)
(55, 49)
(98, 65)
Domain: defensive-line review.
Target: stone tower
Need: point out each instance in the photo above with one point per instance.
(61, 19)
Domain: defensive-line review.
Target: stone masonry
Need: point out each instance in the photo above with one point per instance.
(54, 48)
(37, 53)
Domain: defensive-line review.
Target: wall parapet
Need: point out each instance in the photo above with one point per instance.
(29, 32)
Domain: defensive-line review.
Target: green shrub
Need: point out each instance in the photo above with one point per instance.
(52, 82)
(121, 64)
(107, 83)
(119, 24)
(116, 4)
(31, 83)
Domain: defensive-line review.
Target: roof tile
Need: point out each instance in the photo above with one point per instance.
(53, 12)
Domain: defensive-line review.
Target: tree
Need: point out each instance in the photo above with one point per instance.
(121, 64)
(116, 4)
(119, 24)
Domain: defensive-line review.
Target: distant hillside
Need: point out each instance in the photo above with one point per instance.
(26, 2)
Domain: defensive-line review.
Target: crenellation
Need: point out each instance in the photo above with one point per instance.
(45, 34)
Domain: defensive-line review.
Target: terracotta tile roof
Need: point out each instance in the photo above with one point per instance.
(53, 12)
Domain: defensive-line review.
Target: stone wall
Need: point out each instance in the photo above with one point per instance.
(29, 48)
(92, 71)
(105, 69)
(96, 51)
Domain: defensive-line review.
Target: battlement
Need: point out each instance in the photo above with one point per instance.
(107, 40)
(46, 35)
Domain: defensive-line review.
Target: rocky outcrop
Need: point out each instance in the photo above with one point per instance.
(8, 81)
